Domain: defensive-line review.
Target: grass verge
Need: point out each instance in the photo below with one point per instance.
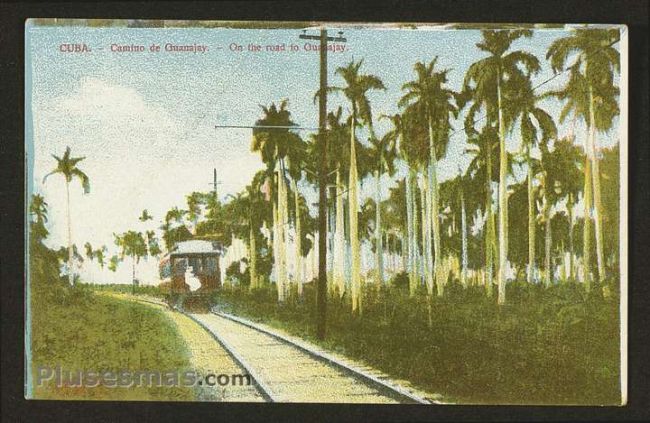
(76, 330)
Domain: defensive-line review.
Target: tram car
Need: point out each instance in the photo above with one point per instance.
(190, 273)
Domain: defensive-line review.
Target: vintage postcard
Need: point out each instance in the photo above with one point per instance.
(326, 212)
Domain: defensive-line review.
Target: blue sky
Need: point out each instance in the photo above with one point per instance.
(145, 121)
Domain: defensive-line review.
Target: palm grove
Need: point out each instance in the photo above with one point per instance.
(545, 213)
(459, 229)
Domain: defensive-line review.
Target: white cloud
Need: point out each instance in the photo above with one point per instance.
(138, 155)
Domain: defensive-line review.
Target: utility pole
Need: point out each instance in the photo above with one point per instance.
(322, 173)
(321, 296)
(214, 184)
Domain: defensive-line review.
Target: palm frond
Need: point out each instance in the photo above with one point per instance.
(85, 181)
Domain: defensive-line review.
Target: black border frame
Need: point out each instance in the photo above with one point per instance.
(633, 13)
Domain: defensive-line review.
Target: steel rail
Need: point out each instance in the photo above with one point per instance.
(389, 389)
(261, 387)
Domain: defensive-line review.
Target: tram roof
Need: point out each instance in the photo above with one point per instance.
(197, 248)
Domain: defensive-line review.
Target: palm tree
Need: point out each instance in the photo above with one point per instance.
(523, 105)
(488, 80)
(558, 176)
(67, 167)
(244, 208)
(563, 166)
(436, 102)
(256, 210)
(337, 139)
(395, 208)
(416, 147)
(383, 156)
(253, 204)
(273, 145)
(404, 146)
(483, 146)
(591, 95)
(452, 193)
(132, 244)
(295, 162)
(355, 90)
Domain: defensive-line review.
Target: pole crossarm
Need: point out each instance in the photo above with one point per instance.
(338, 39)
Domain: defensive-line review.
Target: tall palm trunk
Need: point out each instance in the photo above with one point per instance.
(252, 257)
(411, 240)
(404, 250)
(569, 207)
(547, 235)
(547, 250)
(425, 240)
(489, 225)
(281, 246)
(435, 218)
(415, 224)
(426, 228)
(598, 208)
(463, 226)
(531, 220)
(417, 258)
(339, 238)
(285, 232)
(503, 202)
(276, 250)
(354, 224)
(586, 246)
(298, 244)
(69, 221)
(379, 244)
(133, 274)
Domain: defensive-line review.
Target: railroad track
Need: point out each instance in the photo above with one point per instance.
(288, 370)
(294, 371)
